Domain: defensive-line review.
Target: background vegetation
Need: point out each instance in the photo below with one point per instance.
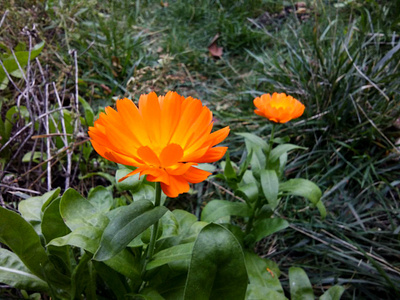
(340, 58)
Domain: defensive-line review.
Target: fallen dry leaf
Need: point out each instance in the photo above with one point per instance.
(215, 51)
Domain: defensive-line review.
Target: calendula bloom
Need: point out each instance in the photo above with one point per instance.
(278, 108)
(165, 138)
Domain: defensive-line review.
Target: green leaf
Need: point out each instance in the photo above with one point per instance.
(257, 292)
(217, 209)
(334, 293)
(266, 227)
(80, 276)
(37, 157)
(129, 184)
(304, 188)
(85, 237)
(300, 286)
(256, 146)
(282, 149)
(101, 198)
(22, 239)
(248, 191)
(22, 56)
(112, 279)
(53, 226)
(253, 141)
(124, 227)
(77, 211)
(229, 171)
(89, 115)
(174, 253)
(107, 176)
(169, 225)
(217, 268)
(127, 264)
(263, 275)
(13, 272)
(31, 208)
(270, 186)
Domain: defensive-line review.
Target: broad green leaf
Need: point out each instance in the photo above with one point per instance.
(12, 115)
(282, 149)
(172, 288)
(216, 209)
(80, 277)
(101, 198)
(270, 186)
(107, 176)
(193, 232)
(256, 146)
(22, 239)
(89, 115)
(184, 218)
(14, 273)
(266, 227)
(37, 157)
(263, 275)
(300, 286)
(31, 208)
(334, 293)
(127, 264)
(88, 238)
(129, 184)
(217, 268)
(229, 171)
(112, 279)
(124, 227)
(77, 211)
(85, 237)
(178, 252)
(22, 56)
(253, 141)
(304, 188)
(53, 226)
(257, 292)
(248, 191)
(169, 225)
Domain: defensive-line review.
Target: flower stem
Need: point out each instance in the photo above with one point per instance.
(154, 231)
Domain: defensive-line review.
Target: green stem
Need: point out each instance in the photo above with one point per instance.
(154, 231)
(251, 219)
(257, 205)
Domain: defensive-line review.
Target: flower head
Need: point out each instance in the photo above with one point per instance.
(165, 137)
(278, 108)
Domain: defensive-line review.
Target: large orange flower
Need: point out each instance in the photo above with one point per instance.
(278, 108)
(164, 138)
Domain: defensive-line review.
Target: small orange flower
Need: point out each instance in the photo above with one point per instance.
(278, 108)
(165, 137)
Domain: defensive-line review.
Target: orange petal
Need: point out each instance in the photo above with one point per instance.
(218, 136)
(171, 155)
(130, 174)
(179, 169)
(148, 156)
(178, 185)
(195, 175)
(156, 175)
(213, 154)
(151, 114)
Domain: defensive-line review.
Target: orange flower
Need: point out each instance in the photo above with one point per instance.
(278, 108)
(164, 138)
